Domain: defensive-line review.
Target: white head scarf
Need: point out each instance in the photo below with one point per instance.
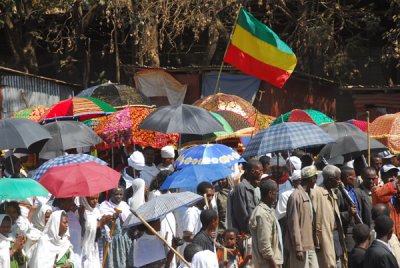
(38, 219)
(137, 199)
(295, 161)
(168, 152)
(136, 160)
(5, 245)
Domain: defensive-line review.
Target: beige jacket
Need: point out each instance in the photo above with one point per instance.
(265, 236)
(326, 209)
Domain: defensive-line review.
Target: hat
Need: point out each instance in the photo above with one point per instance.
(296, 175)
(388, 167)
(349, 164)
(296, 162)
(168, 152)
(136, 160)
(308, 172)
(386, 154)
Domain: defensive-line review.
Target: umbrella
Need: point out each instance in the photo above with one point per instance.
(286, 136)
(236, 121)
(81, 108)
(94, 122)
(17, 189)
(306, 116)
(161, 206)
(363, 125)
(183, 119)
(22, 133)
(386, 129)
(189, 177)
(79, 179)
(32, 113)
(340, 129)
(65, 160)
(122, 128)
(116, 95)
(206, 154)
(69, 134)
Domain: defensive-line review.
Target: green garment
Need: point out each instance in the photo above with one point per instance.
(65, 260)
(17, 259)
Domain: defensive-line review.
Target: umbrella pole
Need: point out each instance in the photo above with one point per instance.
(369, 141)
(112, 157)
(108, 243)
(160, 237)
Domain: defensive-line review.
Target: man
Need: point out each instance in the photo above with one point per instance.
(150, 170)
(243, 199)
(284, 197)
(208, 233)
(265, 161)
(364, 192)
(167, 158)
(377, 164)
(379, 254)
(265, 230)
(329, 244)
(299, 233)
(362, 239)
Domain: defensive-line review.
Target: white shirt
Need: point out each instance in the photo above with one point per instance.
(191, 220)
(282, 203)
(205, 259)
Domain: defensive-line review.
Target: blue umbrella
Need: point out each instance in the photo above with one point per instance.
(286, 136)
(65, 160)
(206, 154)
(189, 177)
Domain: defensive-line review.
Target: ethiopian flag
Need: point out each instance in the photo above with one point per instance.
(256, 50)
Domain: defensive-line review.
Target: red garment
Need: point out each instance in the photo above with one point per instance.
(280, 180)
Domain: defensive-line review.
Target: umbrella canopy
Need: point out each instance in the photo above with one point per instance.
(236, 121)
(207, 154)
(16, 189)
(189, 177)
(363, 125)
(306, 116)
(116, 95)
(161, 206)
(22, 133)
(183, 119)
(69, 134)
(65, 160)
(32, 113)
(122, 128)
(81, 108)
(79, 179)
(286, 136)
(94, 122)
(386, 129)
(340, 129)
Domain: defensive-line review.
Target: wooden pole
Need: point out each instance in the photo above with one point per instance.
(108, 243)
(160, 237)
(369, 141)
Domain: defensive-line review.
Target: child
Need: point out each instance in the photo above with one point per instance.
(231, 257)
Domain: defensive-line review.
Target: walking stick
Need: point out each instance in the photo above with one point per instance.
(111, 234)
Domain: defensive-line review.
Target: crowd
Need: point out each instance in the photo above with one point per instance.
(280, 210)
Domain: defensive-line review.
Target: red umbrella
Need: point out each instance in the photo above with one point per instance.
(79, 179)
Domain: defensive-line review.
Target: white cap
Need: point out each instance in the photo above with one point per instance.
(388, 167)
(168, 152)
(296, 175)
(136, 160)
(387, 154)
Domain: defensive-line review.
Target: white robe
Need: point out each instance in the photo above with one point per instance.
(137, 199)
(108, 208)
(4, 246)
(76, 237)
(205, 259)
(149, 173)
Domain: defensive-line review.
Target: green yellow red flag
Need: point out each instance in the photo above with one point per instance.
(256, 50)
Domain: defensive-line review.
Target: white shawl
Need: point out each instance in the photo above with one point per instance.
(4, 245)
(137, 199)
(149, 173)
(108, 208)
(90, 251)
(51, 247)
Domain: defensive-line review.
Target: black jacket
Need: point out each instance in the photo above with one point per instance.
(379, 256)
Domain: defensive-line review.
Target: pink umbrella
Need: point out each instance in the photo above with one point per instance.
(358, 123)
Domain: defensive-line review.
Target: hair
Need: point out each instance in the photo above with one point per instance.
(190, 251)
(252, 164)
(366, 170)
(159, 179)
(230, 230)
(6, 218)
(63, 214)
(388, 174)
(11, 204)
(264, 160)
(330, 171)
(298, 152)
(148, 148)
(346, 171)
(266, 187)
(306, 160)
(7, 162)
(203, 186)
(361, 233)
(379, 210)
(377, 156)
(383, 225)
(207, 216)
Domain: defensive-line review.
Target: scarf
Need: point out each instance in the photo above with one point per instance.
(149, 173)
(4, 245)
(137, 199)
(108, 208)
(127, 178)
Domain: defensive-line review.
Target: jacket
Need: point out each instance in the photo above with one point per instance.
(379, 256)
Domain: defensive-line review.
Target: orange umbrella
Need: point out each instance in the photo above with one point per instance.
(386, 129)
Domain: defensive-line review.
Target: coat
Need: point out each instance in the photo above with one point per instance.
(365, 199)
(326, 214)
(379, 256)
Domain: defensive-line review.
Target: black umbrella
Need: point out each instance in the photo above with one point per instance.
(22, 133)
(340, 129)
(183, 119)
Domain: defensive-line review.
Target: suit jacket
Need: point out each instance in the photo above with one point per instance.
(356, 257)
(365, 200)
(379, 256)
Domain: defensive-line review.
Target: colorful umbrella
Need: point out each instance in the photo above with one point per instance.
(94, 122)
(65, 160)
(363, 125)
(17, 189)
(236, 121)
(122, 128)
(306, 116)
(32, 113)
(386, 129)
(79, 179)
(206, 154)
(81, 108)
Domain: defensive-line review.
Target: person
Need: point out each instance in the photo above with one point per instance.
(206, 236)
(135, 186)
(362, 240)
(377, 164)
(299, 233)
(379, 254)
(364, 192)
(223, 193)
(12, 167)
(10, 250)
(329, 236)
(265, 230)
(120, 248)
(243, 199)
(167, 158)
(150, 170)
(265, 161)
(188, 253)
(295, 179)
(204, 259)
(155, 185)
(35, 231)
(20, 224)
(235, 260)
(54, 248)
(91, 220)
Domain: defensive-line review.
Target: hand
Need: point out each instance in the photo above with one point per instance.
(300, 255)
(19, 243)
(68, 265)
(353, 210)
(105, 219)
(231, 251)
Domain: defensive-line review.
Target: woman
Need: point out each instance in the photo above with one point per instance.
(10, 251)
(120, 252)
(20, 224)
(91, 221)
(39, 221)
(54, 248)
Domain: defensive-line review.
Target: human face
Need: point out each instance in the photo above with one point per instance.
(350, 179)
(93, 200)
(369, 179)
(256, 175)
(68, 204)
(313, 180)
(63, 226)
(168, 161)
(5, 227)
(377, 163)
(12, 212)
(47, 216)
(333, 182)
(230, 240)
(149, 157)
(210, 195)
(117, 195)
(395, 161)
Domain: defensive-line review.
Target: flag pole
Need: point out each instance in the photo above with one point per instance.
(226, 50)
(369, 141)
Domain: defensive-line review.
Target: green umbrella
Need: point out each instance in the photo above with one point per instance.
(307, 116)
(16, 189)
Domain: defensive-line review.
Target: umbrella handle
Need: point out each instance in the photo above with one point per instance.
(160, 237)
(108, 243)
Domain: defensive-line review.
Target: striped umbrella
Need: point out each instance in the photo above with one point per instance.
(306, 116)
(33, 113)
(363, 125)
